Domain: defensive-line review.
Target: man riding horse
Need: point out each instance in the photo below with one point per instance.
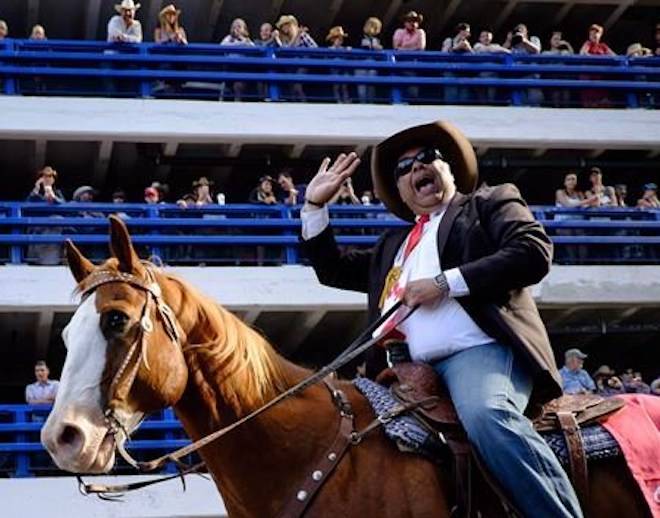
(467, 262)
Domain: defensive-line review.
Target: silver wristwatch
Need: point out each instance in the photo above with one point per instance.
(441, 282)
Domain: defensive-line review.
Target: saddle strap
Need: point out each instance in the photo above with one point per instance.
(298, 504)
(577, 457)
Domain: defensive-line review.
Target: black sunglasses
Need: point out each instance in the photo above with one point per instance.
(425, 156)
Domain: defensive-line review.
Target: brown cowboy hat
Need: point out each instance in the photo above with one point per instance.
(169, 9)
(286, 18)
(453, 145)
(413, 16)
(336, 32)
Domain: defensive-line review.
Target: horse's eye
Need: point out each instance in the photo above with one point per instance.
(114, 322)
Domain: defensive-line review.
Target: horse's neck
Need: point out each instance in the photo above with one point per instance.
(253, 464)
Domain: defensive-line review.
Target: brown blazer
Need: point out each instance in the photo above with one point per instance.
(500, 249)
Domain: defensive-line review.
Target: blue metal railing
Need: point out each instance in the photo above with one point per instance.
(200, 70)
(22, 455)
(197, 234)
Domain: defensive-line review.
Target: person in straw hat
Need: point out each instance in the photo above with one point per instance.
(169, 30)
(467, 259)
(123, 27)
(335, 39)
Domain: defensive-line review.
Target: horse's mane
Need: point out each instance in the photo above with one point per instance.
(243, 365)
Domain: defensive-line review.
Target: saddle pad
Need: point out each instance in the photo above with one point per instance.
(409, 435)
(598, 443)
(404, 430)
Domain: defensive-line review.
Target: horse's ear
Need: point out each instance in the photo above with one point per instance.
(79, 265)
(121, 246)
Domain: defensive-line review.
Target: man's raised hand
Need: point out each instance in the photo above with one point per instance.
(329, 178)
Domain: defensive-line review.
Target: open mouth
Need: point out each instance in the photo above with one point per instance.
(425, 185)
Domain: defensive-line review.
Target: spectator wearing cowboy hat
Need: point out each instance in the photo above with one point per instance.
(38, 33)
(264, 192)
(335, 39)
(410, 37)
(201, 191)
(84, 194)
(169, 31)
(293, 35)
(575, 380)
(123, 27)
(467, 260)
(607, 383)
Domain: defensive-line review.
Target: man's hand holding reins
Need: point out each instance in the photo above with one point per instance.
(329, 179)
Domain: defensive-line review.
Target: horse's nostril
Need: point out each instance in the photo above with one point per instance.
(70, 435)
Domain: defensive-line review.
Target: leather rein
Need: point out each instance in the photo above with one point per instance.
(124, 378)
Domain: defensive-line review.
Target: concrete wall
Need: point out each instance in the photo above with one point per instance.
(295, 288)
(58, 497)
(135, 120)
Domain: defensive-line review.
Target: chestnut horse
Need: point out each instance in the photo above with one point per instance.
(218, 370)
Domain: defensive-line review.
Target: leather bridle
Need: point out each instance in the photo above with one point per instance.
(123, 379)
(120, 387)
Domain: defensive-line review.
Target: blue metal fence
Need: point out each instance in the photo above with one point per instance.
(64, 67)
(248, 234)
(22, 455)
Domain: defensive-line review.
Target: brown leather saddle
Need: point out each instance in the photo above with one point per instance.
(415, 381)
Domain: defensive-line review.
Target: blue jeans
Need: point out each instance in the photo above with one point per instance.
(490, 386)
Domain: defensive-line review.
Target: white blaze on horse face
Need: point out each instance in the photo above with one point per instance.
(75, 433)
(80, 383)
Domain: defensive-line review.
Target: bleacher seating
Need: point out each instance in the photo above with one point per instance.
(92, 68)
(201, 235)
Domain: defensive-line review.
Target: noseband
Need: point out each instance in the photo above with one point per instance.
(123, 380)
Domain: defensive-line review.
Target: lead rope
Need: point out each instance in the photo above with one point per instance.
(352, 351)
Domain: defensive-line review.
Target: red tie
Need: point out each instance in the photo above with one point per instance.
(415, 235)
(389, 331)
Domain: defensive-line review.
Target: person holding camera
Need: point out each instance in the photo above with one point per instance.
(44, 189)
(519, 41)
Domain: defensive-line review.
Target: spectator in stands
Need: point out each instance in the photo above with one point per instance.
(44, 390)
(119, 196)
(84, 194)
(4, 29)
(291, 194)
(169, 31)
(201, 190)
(635, 50)
(163, 190)
(595, 98)
(123, 27)
(295, 36)
(485, 45)
(649, 199)
(570, 196)
(593, 46)
(292, 34)
(607, 383)
(655, 387)
(411, 36)
(335, 38)
(601, 195)
(458, 44)
(264, 192)
(559, 46)
(369, 41)
(634, 384)
(575, 379)
(44, 189)
(239, 35)
(38, 33)
(621, 191)
(151, 196)
(520, 42)
(657, 40)
(367, 198)
(346, 195)
(268, 37)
